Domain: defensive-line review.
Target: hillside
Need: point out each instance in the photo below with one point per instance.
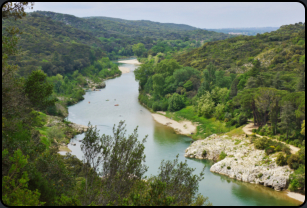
(148, 23)
(53, 46)
(118, 36)
(283, 49)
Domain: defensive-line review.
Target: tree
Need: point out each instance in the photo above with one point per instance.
(121, 159)
(251, 83)
(15, 191)
(188, 85)
(38, 90)
(16, 9)
(287, 117)
(233, 88)
(138, 49)
(205, 105)
(175, 102)
(158, 82)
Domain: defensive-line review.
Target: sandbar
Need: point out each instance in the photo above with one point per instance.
(297, 196)
(124, 69)
(132, 61)
(182, 127)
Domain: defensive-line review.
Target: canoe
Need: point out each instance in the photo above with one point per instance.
(116, 105)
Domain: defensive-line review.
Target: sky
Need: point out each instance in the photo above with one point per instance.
(211, 15)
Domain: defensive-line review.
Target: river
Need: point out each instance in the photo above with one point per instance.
(162, 142)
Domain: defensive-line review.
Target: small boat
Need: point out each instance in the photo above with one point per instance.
(116, 105)
(107, 100)
(89, 102)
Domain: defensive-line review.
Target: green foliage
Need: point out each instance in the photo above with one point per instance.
(293, 161)
(38, 90)
(56, 133)
(205, 105)
(297, 179)
(260, 143)
(15, 190)
(269, 150)
(281, 160)
(204, 153)
(175, 102)
(222, 155)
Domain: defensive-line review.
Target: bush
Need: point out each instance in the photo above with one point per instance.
(175, 102)
(277, 149)
(259, 175)
(286, 150)
(156, 106)
(269, 150)
(204, 153)
(260, 143)
(293, 161)
(280, 160)
(228, 167)
(55, 133)
(222, 155)
(297, 179)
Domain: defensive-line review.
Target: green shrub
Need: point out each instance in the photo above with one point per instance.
(277, 149)
(281, 160)
(269, 150)
(175, 102)
(259, 175)
(260, 143)
(156, 106)
(228, 167)
(286, 149)
(293, 161)
(204, 153)
(55, 133)
(297, 179)
(222, 155)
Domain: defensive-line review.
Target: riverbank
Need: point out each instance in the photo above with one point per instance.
(124, 69)
(240, 160)
(297, 196)
(184, 127)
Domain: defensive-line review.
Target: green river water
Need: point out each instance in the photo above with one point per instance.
(162, 142)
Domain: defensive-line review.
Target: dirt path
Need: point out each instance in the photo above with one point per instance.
(248, 130)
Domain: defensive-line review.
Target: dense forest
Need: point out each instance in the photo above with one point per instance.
(224, 84)
(118, 36)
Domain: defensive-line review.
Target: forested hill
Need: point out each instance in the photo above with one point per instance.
(146, 31)
(280, 50)
(148, 23)
(53, 46)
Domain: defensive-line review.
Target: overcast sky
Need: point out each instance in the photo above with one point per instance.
(197, 14)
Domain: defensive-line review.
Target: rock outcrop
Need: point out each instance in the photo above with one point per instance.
(78, 127)
(101, 85)
(243, 162)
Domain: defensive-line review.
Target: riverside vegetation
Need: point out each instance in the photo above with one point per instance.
(33, 130)
(46, 70)
(224, 84)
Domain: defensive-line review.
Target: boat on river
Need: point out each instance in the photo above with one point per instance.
(116, 105)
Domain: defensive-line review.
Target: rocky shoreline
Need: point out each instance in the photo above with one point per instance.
(243, 162)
